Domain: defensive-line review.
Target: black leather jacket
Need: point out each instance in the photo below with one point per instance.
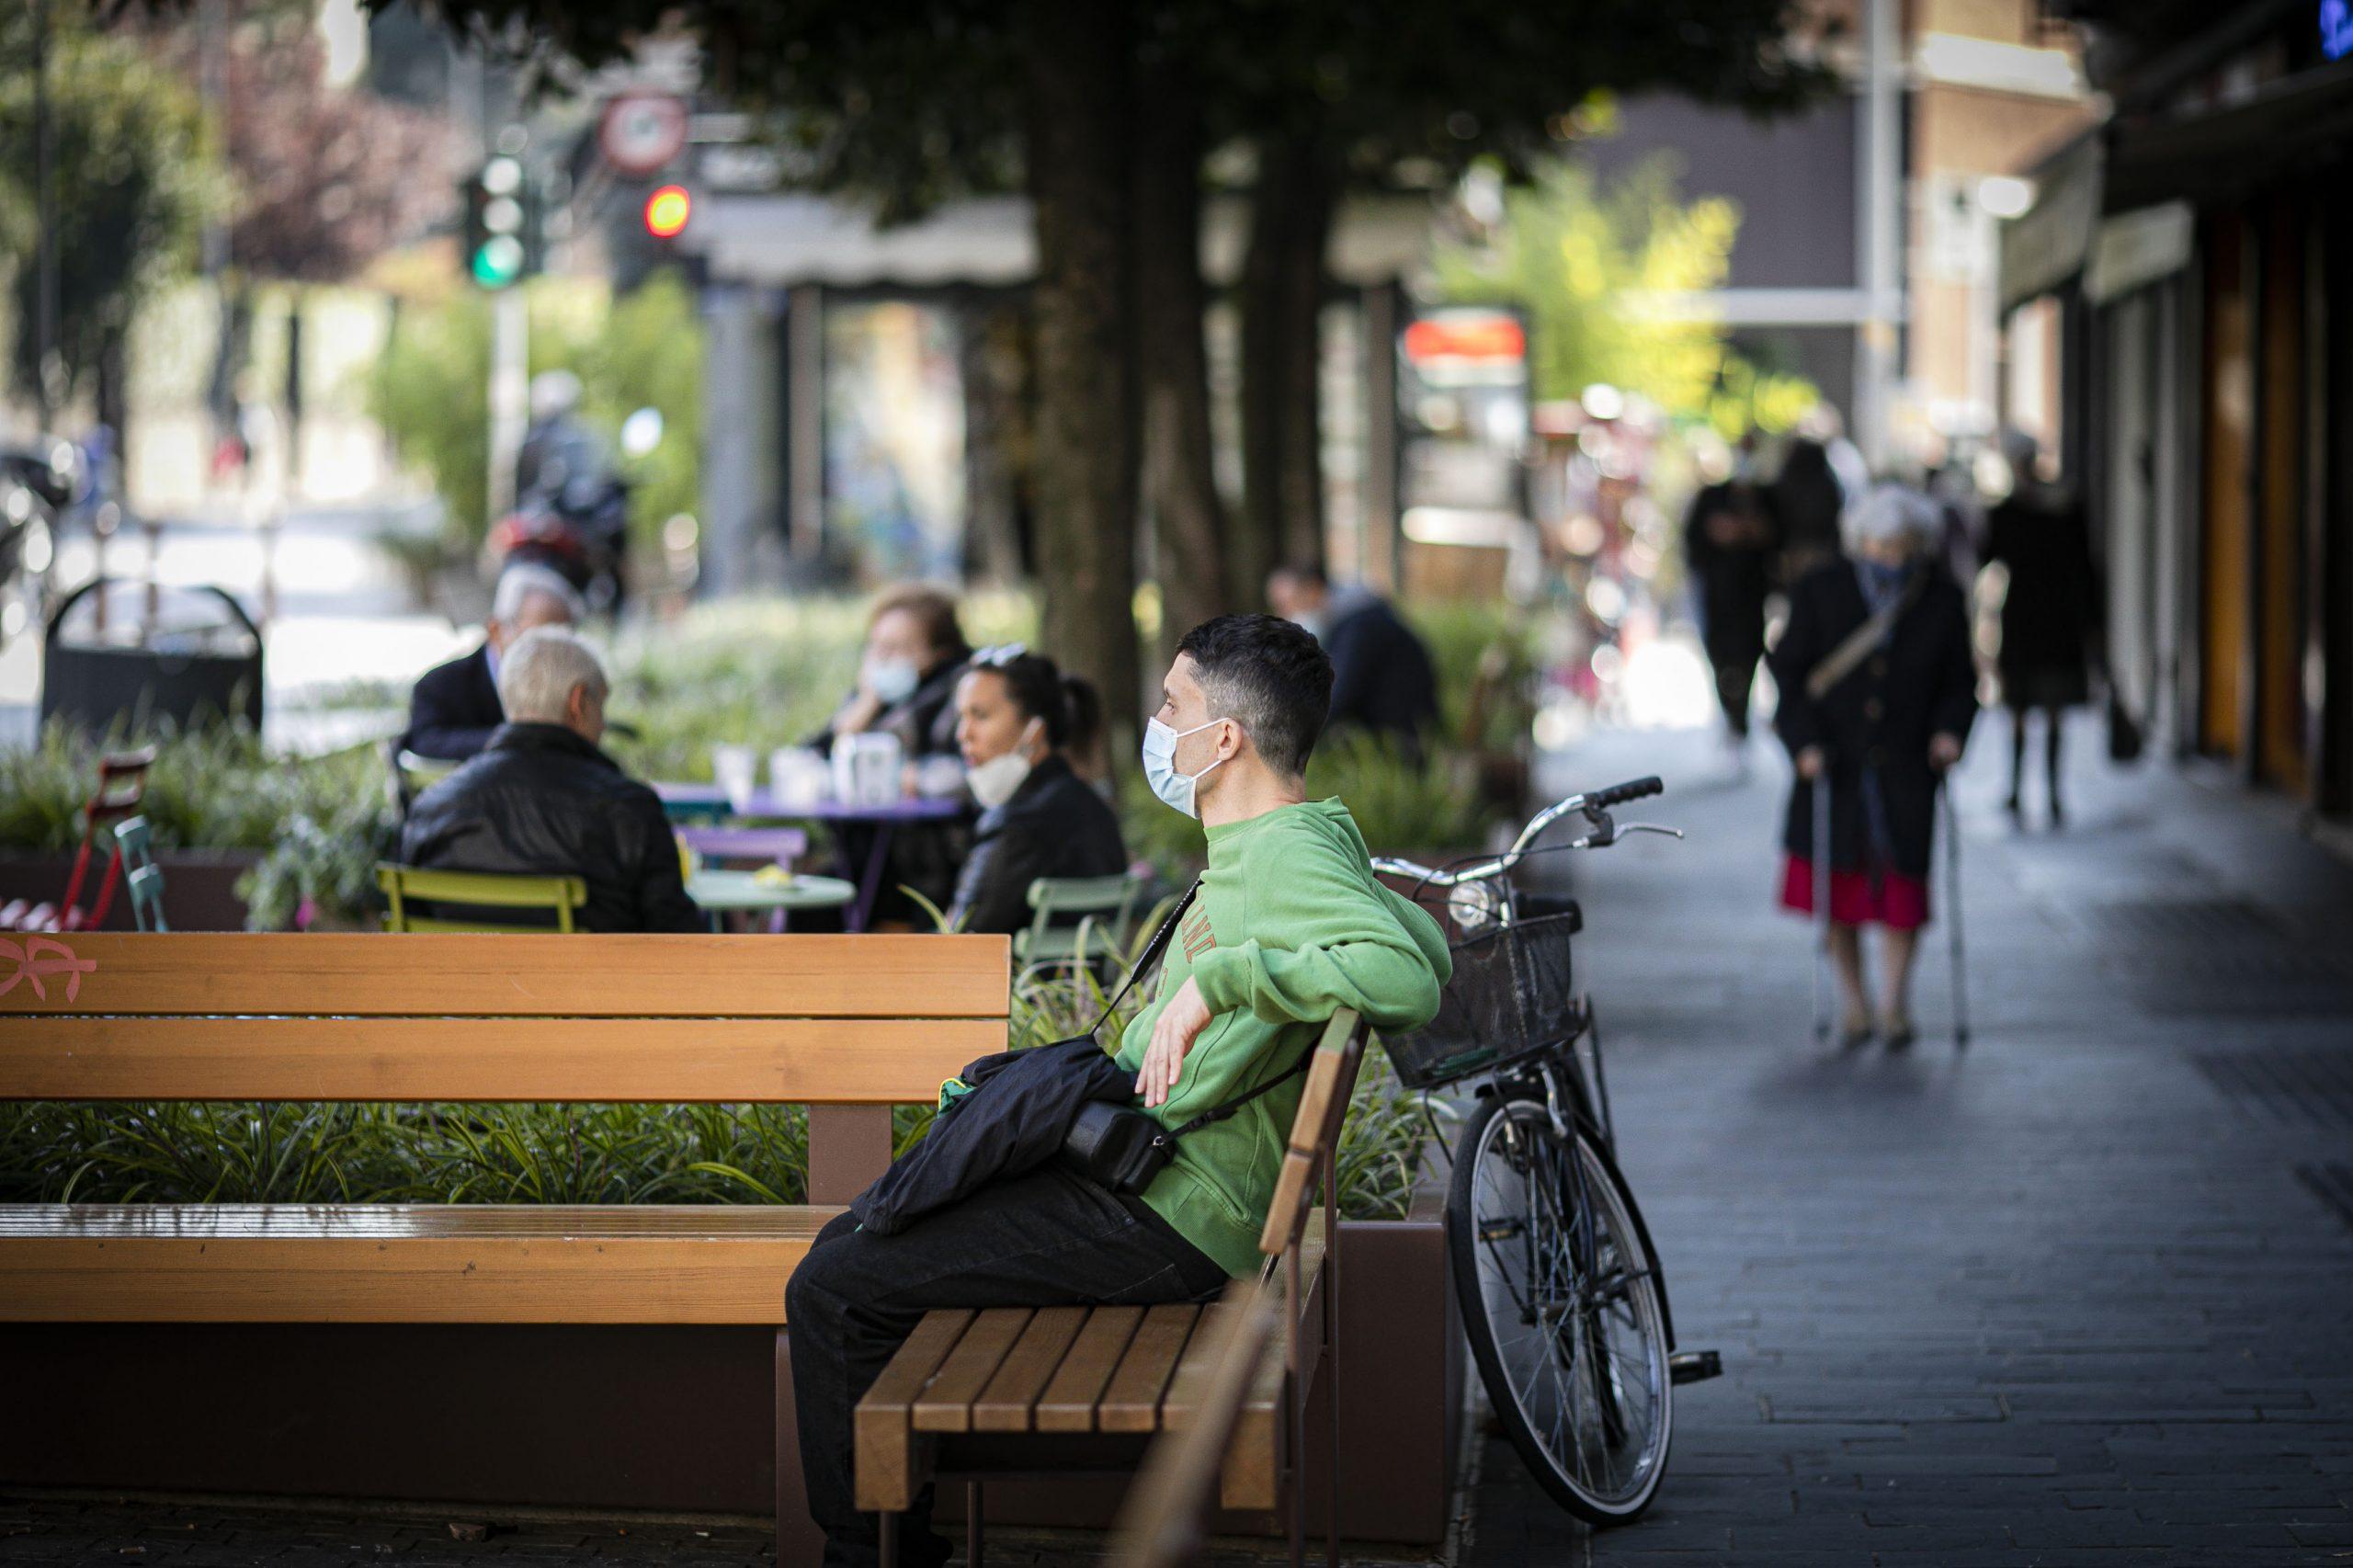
(1053, 826)
(541, 801)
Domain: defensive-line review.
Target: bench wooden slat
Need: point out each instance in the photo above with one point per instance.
(882, 1425)
(611, 1061)
(1194, 1369)
(946, 1404)
(292, 1264)
(1068, 1403)
(869, 976)
(1132, 1401)
(1160, 1522)
(1005, 1406)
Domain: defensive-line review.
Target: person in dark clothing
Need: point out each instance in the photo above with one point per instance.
(1879, 720)
(1038, 817)
(1728, 542)
(542, 800)
(1381, 677)
(455, 706)
(1806, 502)
(2051, 614)
(907, 686)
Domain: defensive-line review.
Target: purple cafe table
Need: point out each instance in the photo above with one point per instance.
(691, 801)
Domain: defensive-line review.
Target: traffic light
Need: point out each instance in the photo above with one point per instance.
(503, 241)
(666, 211)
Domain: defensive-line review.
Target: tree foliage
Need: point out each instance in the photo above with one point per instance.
(133, 180)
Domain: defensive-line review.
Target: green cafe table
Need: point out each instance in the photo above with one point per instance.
(722, 893)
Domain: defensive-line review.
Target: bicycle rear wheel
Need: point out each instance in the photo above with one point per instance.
(1560, 1298)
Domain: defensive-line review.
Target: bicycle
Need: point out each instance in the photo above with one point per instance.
(1560, 1290)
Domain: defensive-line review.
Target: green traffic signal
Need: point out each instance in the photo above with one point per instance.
(498, 261)
(502, 223)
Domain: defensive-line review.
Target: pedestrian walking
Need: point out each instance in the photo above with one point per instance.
(1728, 542)
(1878, 693)
(1806, 502)
(2050, 615)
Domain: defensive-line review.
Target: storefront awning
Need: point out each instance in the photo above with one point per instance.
(2135, 249)
(784, 239)
(2048, 244)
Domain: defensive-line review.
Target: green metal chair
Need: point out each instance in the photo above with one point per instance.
(1106, 908)
(414, 773)
(493, 891)
(141, 875)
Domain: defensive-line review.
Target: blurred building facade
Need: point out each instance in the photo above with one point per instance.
(1981, 89)
(2185, 245)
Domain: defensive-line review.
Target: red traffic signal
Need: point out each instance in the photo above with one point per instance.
(666, 211)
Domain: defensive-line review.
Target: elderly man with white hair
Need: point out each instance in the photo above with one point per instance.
(543, 799)
(1878, 690)
(455, 706)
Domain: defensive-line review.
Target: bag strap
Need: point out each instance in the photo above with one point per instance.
(1230, 1106)
(1863, 642)
(1145, 959)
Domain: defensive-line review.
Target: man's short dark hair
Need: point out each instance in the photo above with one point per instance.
(1270, 677)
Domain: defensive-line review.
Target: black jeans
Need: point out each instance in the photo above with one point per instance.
(1047, 1238)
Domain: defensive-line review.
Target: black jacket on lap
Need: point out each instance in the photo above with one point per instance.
(1921, 682)
(540, 800)
(454, 708)
(1053, 826)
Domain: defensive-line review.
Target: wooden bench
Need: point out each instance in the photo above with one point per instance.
(849, 1026)
(1078, 1390)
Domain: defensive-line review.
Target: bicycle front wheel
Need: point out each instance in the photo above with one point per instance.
(1560, 1298)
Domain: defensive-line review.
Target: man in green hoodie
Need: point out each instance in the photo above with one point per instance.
(1289, 927)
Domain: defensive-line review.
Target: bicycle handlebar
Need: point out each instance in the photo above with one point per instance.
(1594, 804)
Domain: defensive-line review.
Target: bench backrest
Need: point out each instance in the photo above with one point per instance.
(856, 1020)
(1316, 1130)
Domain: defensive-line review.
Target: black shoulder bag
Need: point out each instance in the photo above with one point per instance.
(1123, 1146)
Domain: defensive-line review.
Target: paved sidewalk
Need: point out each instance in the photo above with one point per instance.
(2069, 1296)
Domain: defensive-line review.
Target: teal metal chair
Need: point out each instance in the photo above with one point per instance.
(1105, 908)
(140, 874)
(414, 773)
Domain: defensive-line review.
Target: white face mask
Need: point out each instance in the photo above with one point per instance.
(892, 680)
(994, 782)
(1174, 789)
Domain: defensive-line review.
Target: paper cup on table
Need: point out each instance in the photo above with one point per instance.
(799, 775)
(737, 770)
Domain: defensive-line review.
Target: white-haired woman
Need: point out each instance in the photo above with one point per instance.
(1878, 690)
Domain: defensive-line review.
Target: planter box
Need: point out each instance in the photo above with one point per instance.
(199, 886)
(680, 1420)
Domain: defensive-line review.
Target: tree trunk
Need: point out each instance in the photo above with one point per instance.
(1179, 456)
(1282, 297)
(1079, 75)
(114, 392)
(988, 359)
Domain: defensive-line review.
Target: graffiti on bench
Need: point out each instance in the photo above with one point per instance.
(44, 958)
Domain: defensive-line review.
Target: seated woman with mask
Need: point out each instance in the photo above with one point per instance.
(1038, 819)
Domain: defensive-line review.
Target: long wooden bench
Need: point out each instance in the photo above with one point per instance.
(849, 1026)
(1079, 1390)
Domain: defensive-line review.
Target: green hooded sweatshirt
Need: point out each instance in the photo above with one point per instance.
(1289, 927)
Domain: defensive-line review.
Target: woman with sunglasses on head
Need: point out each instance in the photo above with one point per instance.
(1038, 818)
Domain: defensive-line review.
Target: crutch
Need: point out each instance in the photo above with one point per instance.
(1822, 988)
(1952, 913)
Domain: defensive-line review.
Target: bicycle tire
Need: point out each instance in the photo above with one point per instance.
(1479, 1264)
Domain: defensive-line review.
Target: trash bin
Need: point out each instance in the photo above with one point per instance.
(188, 656)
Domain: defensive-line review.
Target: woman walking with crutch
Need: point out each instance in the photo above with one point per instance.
(1878, 690)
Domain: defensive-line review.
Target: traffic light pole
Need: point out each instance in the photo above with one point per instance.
(510, 329)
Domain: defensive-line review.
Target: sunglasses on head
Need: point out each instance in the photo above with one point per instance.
(1001, 654)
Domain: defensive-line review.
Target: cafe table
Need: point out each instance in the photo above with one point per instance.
(720, 893)
(706, 802)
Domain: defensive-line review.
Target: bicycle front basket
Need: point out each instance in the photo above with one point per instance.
(1510, 995)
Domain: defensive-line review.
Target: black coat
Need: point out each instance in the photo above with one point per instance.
(1733, 577)
(1053, 826)
(1922, 682)
(540, 800)
(2052, 610)
(454, 708)
(1381, 677)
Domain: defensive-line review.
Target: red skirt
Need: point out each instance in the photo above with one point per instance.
(1893, 899)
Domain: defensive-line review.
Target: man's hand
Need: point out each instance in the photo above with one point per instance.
(1944, 750)
(1181, 1023)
